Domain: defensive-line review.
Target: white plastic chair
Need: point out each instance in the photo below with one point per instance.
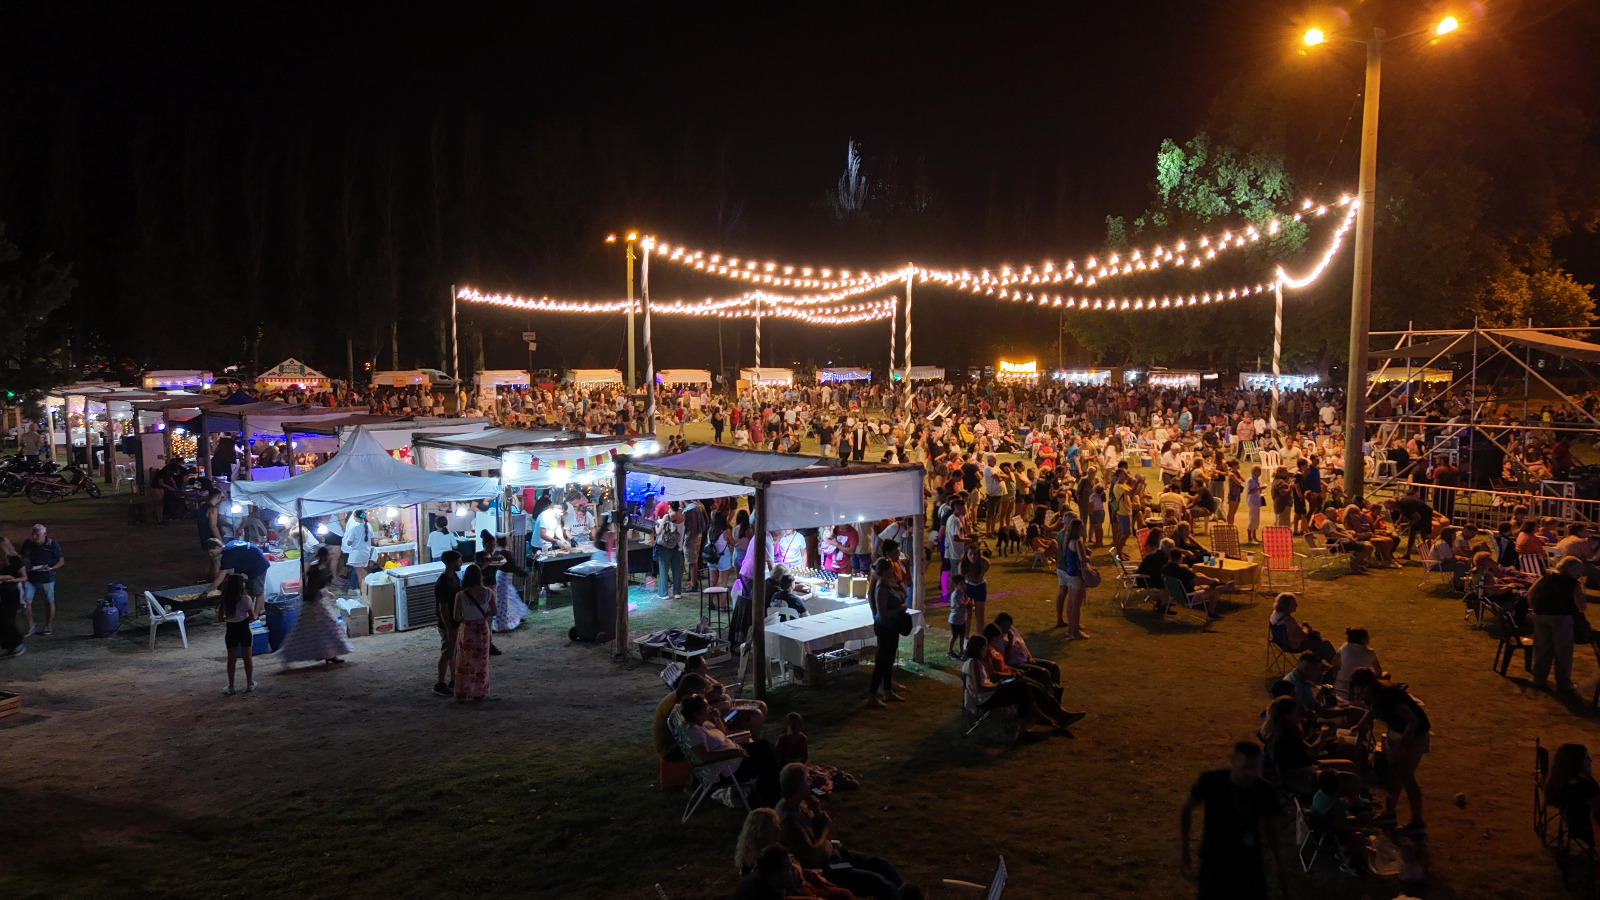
(124, 475)
(160, 614)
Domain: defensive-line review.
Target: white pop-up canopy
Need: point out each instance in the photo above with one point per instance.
(526, 457)
(595, 376)
(684, 376)
(391, 432)
(362, 475)
(769, 375)
(921, 373)
(790, 491)
(842, 373)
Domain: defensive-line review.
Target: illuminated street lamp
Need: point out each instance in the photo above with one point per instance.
(1355, 416)
(630, 239)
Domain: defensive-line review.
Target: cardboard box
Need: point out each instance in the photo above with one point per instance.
(357, 618)
(378, 598)
(383, 624)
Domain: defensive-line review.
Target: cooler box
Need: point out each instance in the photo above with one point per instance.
(594, 601)
(260, 644)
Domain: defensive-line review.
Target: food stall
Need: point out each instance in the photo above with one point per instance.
(393, 433)
(683, 376)
(363, 476)
(835, 374)
(1017, 372)
(1082, 376)
(789, 491)
(292, 374)
(176, 379)
(770, 376)
(593, 377)
(918, 373)
(1262, 381)
(490, 381)
(257, 421)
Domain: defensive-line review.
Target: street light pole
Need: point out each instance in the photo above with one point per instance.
(630, 314)
(1355, 401)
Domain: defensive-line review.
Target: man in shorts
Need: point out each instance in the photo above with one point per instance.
(43, 557)
(444, 601)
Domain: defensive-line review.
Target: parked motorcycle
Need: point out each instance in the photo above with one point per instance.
(42, 489)
(15, 470)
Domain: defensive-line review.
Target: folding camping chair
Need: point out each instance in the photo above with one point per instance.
(1277, 543)
(1531, 564)
(1280, 659)
(1129, 584)
(707, 776)
(991, 891)
(1225, 541)
(1189, 600)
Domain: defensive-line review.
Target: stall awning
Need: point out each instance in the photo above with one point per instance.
(293, 373)
(684, 376)
(843, 373)
(595, 376)
(921, 373)
(769, 375)
(502, 378)
(362, 475)
(481, 451)
(391, 432)
(263, 420)
(528, 457)
(1550, 343)
(801, 491)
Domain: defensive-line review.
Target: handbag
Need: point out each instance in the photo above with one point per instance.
(1089, 574)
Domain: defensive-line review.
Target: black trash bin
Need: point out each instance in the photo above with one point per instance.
(594, 601)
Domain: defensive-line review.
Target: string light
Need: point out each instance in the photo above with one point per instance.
(1190, 253)
(1327, 256)
(822, 312)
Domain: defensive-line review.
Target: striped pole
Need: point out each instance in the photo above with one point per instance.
(894, 323)
(649, 349)
(455, 348)
(1277, 349)
(909, 274)
(758, 344)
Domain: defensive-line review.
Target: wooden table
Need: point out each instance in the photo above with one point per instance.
(1237, 571)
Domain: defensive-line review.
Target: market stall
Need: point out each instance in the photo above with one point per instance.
(258, 421)
(292, 374)
(683, 376)
(1017, 372)
(769, 376)
(835, 374)
(919, 373)
(393, 433)
(363, 476)
(1262, 381)
(176, 379)
(1173, 378)
(1082, 376)
(593, 377)
(787, 492)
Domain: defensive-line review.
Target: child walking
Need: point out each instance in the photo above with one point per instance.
(960, 614)
(1097, 516)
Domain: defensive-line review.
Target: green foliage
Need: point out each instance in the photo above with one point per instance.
(32, 289)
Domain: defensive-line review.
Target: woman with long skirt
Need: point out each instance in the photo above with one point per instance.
(510, 609)
(317, 633)
(475, 609)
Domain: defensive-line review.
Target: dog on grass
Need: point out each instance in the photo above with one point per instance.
(1007, 540)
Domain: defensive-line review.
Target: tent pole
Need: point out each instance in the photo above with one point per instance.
(919, 565)
(299, 516)
(1472, 404)
(758, 594)
(1527, 382)
(619, 521)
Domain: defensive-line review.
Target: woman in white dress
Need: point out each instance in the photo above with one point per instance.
(357, 543)
(317, 633)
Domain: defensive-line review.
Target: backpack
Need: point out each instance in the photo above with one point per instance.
(709, 554)
(668, 536)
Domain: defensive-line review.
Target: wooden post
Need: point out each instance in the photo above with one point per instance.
(758, 594)
(919, 565)
(619, 521)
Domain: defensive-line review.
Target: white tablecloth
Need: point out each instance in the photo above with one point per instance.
(791, 640)
(279, 572)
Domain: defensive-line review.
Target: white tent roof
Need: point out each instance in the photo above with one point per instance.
(293, 372)
(843, 373)
(391, 432)
(802, 491)
(684, 376)
(360, 476)
(526, 457)
(922, 373)
(263, 420)
(595, 376)
(499, 377)
(769, 375)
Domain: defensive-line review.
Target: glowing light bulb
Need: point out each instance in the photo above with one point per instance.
(283, 520)
(1446, 25)
(322, 530)
(1314, 36)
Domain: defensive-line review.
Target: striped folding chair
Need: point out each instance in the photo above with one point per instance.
(1277, 544)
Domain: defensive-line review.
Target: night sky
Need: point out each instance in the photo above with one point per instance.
(129, 134)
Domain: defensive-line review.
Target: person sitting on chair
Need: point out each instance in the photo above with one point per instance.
(750, 714)
(1294, 636)
(780, 591)
(1036, 674)
(660, 730)
(1014, 650)
(994, 684)
(1183, 540)
(1339, 540)
(738, 755)
(1191, 581)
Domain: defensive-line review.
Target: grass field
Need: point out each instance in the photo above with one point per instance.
(128, 775)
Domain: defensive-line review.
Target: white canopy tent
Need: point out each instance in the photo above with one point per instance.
(363, 475)
(292, 373)
(769, 375)
(684, 376)
(595, 376)
(260, 421)
(842, 373)
(391, 432)
(502, 378)
(526, 457)
(789, 491)
(175, 379)
(921, 373)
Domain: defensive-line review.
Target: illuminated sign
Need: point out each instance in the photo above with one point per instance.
(1027, 368)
